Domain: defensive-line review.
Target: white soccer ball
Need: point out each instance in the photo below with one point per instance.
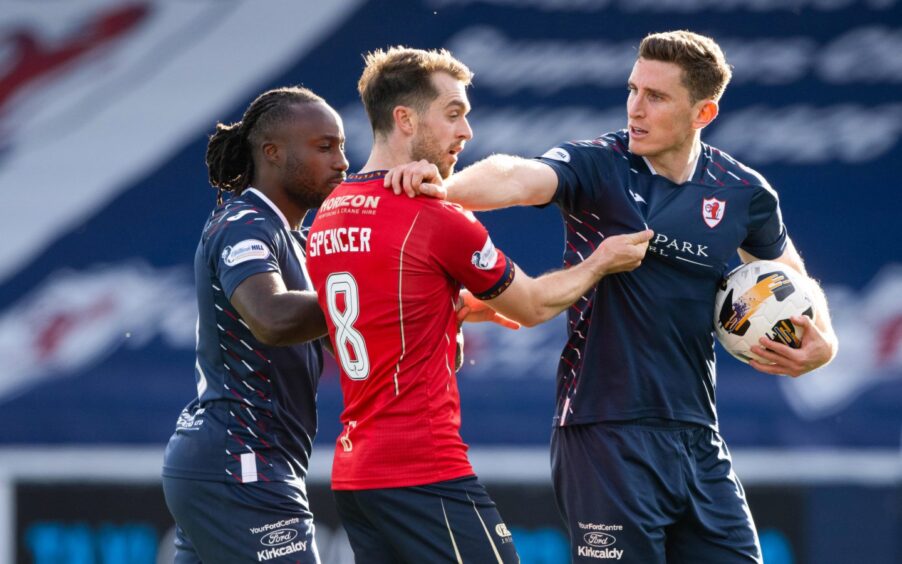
(756, 300)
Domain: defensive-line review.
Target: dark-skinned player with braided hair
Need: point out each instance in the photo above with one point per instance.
(234, 470)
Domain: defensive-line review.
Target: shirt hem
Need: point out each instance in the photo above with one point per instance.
(630, 415)
(420, 480)
(213, 477)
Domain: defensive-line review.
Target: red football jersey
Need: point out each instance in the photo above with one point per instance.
(388, 271)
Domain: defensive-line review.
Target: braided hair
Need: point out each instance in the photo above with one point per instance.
(229, 155)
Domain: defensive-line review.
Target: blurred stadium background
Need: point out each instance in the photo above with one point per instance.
(105, 106)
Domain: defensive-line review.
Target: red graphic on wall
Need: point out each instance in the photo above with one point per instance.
(33, 58)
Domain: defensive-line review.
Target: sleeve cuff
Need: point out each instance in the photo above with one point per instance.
(501, 285)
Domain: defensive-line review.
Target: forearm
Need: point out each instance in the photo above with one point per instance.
(282, 317)
(822, 313)
(531, 301)
(502, 181)
(555, 291)
(293, 317)
(275, 315)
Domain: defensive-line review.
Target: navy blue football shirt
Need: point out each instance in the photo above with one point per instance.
(255, 415)
(641, 344)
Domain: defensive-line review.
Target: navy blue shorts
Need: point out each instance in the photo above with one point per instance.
(221, 523)
(452, 521)
(651, 493)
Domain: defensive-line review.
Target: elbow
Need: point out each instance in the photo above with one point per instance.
(833, 344)
(269, 331)
(531, 321)
(529, 308)
(524, 318)
(267, 335)
(535, 317)
(282, 329)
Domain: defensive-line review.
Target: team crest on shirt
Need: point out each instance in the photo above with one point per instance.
(713, 210)
(249, 249)
(485, 258)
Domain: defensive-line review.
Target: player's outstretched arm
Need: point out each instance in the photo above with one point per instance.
(531, 301)
(819, 343)
(472, 310)
(498, 181)
(275, 315)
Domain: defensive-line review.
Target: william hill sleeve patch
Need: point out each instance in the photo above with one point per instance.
(243, 251)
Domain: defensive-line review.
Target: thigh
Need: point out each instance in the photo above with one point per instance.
(618, 488)
(718, 528)
(453, 521)
(367, 540)
(184, 550)
(225, 523)
(472, 519)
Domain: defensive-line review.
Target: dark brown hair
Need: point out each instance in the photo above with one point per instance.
(705, 69)
(402, 76)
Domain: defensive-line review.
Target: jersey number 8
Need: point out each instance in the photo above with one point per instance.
(349, 343)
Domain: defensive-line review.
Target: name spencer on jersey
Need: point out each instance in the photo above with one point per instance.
(340, 240)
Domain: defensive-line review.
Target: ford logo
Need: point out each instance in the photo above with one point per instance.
(281, 536)
(599, 539)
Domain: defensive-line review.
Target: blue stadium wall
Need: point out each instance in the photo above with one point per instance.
(105, 108)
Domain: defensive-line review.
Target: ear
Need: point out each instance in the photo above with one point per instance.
(705, 113)
(405, 119)
(271, 152)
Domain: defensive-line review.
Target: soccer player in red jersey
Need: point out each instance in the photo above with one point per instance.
(389, 271)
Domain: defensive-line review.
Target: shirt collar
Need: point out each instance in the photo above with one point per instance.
(698, 155)
(269, 203)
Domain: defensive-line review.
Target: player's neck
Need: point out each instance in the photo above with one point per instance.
(677, 164)
(293, 214)
(386, 155)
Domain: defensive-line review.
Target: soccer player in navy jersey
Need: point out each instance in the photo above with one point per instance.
(640, 471)
(389, 272)
(234, 469)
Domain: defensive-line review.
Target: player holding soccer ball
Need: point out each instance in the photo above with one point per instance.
(640, 471)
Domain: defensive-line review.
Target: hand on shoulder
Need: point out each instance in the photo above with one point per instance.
(416, 178)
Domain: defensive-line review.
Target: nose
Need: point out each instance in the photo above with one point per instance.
(342, 162)
(466, 132)
(634, 105)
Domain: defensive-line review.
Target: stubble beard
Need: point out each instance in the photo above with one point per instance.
(302, 188)
(425, 146)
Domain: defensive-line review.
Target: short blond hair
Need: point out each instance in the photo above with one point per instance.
(705, 69)
(402, 76)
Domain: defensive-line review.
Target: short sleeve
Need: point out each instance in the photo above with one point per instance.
(767, 236)
(466, 252)
(241, 249)
(581, 167)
